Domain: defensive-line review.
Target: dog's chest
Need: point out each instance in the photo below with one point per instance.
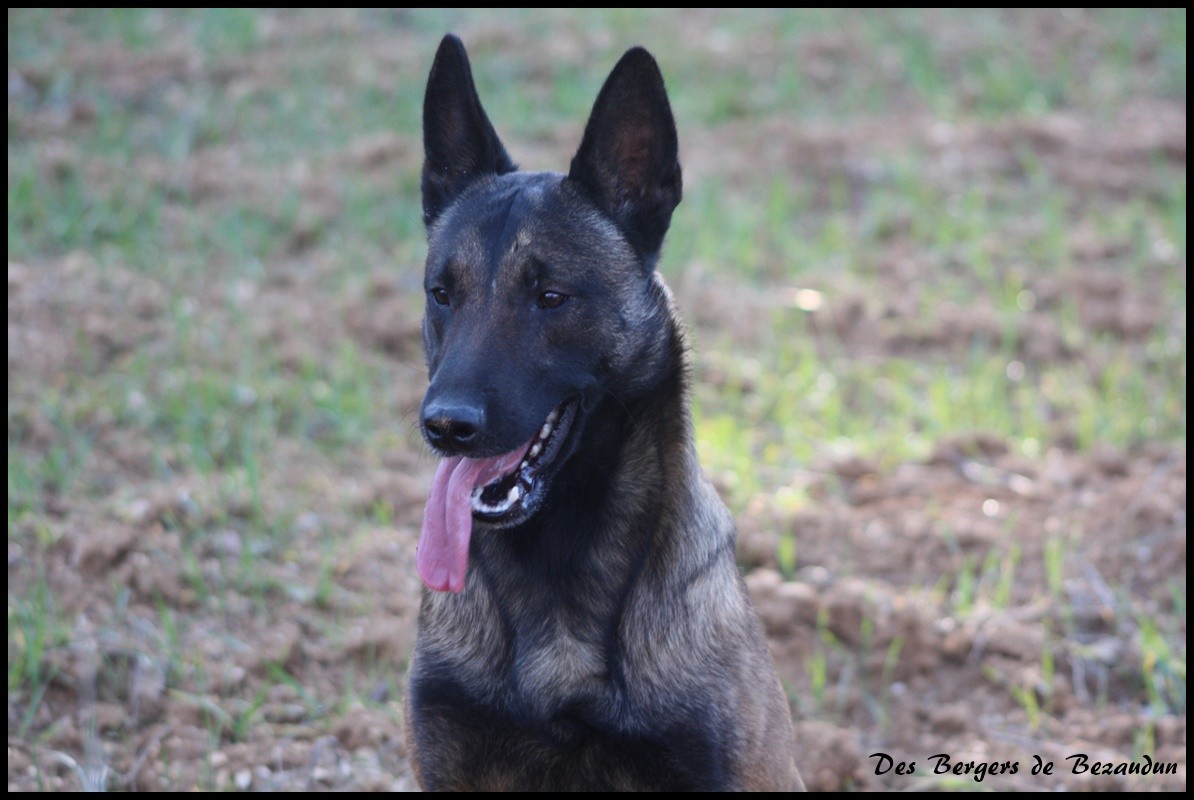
(554, 666)
(538, 653)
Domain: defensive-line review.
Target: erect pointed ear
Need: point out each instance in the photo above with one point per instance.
(628, 160)
(459, 143)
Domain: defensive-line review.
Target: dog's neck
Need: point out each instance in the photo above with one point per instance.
(655, 429)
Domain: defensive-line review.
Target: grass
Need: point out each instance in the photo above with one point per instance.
(35, 629)
(983, 383)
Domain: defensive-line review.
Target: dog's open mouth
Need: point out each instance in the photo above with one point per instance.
(502, 497)
(503, 490)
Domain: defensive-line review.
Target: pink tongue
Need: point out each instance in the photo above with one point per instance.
(442, 557)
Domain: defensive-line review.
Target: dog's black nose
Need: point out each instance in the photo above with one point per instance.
(453, 427)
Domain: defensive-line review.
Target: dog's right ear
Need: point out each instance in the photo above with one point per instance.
(459, 143)
(628, 160)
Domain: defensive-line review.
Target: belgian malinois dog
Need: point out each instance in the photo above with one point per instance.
(584, 625)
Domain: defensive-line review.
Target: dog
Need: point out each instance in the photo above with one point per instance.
(584, 624)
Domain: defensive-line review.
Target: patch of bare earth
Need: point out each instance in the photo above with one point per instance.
(1051, 669)
(921, 676)
(195, 653)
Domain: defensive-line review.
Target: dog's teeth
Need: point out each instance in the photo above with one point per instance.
(535, 450)
(552, 417)
(514, 495)
(546, 431)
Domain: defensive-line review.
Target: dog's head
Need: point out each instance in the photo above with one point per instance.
(541, 294)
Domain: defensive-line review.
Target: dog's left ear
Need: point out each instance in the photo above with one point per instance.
(628, 160)
(459, 143)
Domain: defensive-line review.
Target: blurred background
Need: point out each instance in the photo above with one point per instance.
(934, 266)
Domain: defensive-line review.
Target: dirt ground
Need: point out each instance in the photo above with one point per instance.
(982, 605)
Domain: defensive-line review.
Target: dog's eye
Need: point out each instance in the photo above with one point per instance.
(552, 299)
(441, 296)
